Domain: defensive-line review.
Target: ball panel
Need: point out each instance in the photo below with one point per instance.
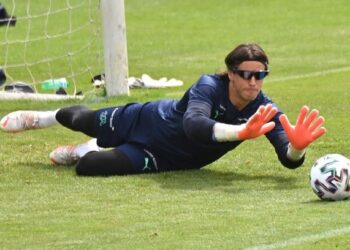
(329, 177)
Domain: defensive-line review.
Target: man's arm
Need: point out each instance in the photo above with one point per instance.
(291, 141)
(258, 124)
(199, 126)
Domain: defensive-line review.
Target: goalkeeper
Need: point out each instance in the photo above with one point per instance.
(215, 115)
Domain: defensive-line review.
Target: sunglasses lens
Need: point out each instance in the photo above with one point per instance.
(260, 75)
(247, 75)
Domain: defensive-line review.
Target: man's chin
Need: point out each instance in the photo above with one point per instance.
(250, 98)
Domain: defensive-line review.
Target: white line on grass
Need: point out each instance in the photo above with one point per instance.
(314, 74)
(303, 239)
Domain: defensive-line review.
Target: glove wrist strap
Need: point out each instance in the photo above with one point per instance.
(295, 154)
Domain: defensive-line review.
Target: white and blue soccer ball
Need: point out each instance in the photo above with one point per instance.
(330, 177)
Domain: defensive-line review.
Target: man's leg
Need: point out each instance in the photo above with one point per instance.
(24, 120)
(104, 163)
(77, 118)
(70, 154)
(91, 161)
(126, 159)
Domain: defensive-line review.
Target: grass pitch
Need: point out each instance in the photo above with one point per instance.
(246, 200)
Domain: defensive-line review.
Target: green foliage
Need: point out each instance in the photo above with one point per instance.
(243, 200)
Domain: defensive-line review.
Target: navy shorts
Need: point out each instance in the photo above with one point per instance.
(127, 128)
(117, 128)
(142, 159)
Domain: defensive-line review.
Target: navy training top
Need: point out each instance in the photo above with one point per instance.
(182, 130)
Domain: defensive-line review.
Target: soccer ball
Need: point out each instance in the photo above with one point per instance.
(330, 177)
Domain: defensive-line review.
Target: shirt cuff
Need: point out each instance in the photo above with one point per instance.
(226, 132)
(295, 154)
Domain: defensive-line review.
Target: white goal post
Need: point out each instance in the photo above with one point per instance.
(73, 40)
(115, 47)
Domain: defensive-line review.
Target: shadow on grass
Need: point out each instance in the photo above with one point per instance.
(39, 166)
(201, 179)
(325, 202)
(213, 179)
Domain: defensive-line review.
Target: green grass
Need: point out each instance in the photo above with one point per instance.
(243, 200)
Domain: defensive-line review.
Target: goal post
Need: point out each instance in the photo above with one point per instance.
(73, 40)
(115, 47)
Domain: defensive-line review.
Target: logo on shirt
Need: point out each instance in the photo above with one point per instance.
(103, 118)
(218, 113)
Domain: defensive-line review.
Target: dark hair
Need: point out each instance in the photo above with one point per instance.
(246, 52)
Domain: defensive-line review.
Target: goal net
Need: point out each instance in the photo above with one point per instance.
(45, 45)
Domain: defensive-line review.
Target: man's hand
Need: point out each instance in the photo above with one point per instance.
(306, 130)
(259, 124)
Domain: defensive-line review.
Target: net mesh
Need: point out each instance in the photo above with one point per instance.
(50, 40)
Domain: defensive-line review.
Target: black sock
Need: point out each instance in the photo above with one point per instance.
(78, 118)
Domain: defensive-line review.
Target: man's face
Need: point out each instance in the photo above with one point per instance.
(242, 91)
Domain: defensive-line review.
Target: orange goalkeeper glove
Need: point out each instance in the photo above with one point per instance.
(306, 130)
(258, 124)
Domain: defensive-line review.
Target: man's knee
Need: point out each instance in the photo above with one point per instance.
(85, 165)
(104, 163)
(78, 118)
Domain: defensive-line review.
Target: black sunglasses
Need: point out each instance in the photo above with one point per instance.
(247, 75)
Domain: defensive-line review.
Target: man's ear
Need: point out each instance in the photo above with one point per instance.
(230, 75)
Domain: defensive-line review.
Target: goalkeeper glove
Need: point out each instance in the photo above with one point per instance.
(306, 130)
(257, 125)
